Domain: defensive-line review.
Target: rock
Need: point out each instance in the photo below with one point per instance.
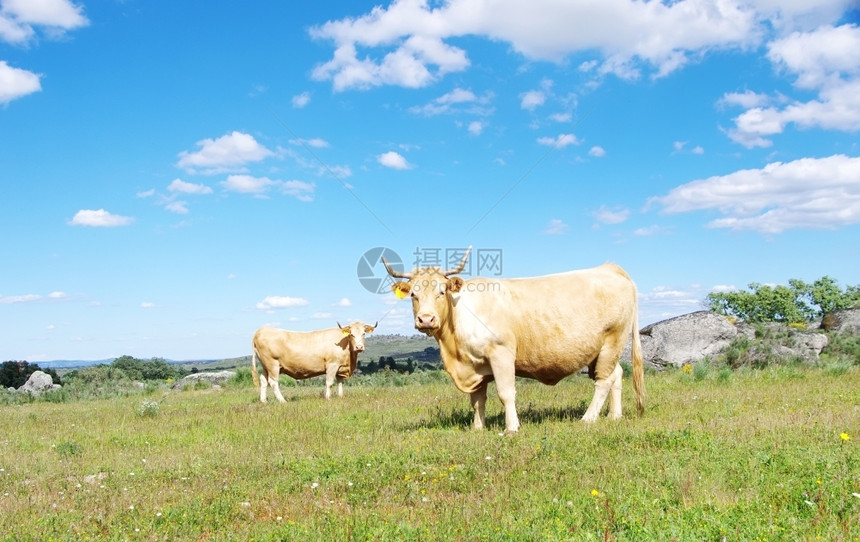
(38, 383)
(215, 378)
(842, 321)
(684, 339)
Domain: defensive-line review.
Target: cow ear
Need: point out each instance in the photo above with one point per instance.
(454, 284)
(345, 331)
(369, 329)
(400, 289)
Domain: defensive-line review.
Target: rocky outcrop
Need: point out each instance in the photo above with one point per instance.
(690, 338)
(842, 321)
(38, 383)
(215, 378)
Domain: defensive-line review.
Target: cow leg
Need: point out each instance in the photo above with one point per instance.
(330, 374)
(340, 386)
(276, 388)
(502, 365)
(615, 393)
(264, 383)
(478, 398)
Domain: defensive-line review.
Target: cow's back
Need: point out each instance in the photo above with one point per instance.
(555, 324)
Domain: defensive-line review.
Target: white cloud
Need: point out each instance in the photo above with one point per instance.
(344, 302)
(604, 215)
(532, 99)
(227, 153)
(178, 185)
(99, 218)
(58, 295)
(300, 190)
(649, 231)
(597, 151)
(559, 142)
(556, 227)
(10, 300)
(809, 193)
(16, 83)
(147, 305)
(393, 160)
(747, 99)
(273, 302)
(476, 127)
(301, 100)
(459, 100)
(260, 186)
(404, 43)
(146, 193)
(18, 17)
(179, 207)
(247, 184)
(824, 61)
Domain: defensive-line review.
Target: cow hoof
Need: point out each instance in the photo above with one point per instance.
(509, 433)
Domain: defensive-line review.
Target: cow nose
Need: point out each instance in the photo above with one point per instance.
(359, 348)
(425, 320)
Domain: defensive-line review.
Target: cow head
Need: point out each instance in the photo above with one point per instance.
(354, 334)
(429, 288)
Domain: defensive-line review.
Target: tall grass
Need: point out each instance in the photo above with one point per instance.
(748, 455)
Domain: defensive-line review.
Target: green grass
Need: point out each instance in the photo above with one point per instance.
(744, 455)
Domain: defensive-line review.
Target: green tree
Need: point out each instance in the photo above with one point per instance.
(14, 374)
(796, 303)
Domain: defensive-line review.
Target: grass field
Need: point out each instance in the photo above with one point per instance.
(748, 455)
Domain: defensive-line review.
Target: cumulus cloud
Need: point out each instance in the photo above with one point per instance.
(605, 215)
(405, 43)
(229, 152)
(823, 61)
(16, 83)
(261, 186)
(301, 100)
(344, 302)
(178, 185)
(393, 160)
(99, 218)
(560, 141)
(11, 300)
(597, 151)
(809, 193)
(459, 100)
(476, 127)
(274, 302)
(19, 19)
(532, 99)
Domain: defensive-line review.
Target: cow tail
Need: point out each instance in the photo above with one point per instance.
(254, 367)
(638, 364)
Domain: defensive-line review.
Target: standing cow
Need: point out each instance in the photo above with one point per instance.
(545, 328)
(303, 354)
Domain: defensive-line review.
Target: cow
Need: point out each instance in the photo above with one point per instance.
(331, 352)
(545, 328)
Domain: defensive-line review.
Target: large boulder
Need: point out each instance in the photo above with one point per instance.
(215, 378)
(685, 339)
(842, 321)
(39, 382)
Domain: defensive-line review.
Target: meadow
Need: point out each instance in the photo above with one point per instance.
(751, 454)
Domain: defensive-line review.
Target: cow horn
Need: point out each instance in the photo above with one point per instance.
(462, 265)
(338, 325)
(395, 274)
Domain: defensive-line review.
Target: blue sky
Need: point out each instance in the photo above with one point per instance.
(173, 177)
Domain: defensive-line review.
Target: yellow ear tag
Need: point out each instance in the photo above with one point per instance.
(345, 332)
(400, 293)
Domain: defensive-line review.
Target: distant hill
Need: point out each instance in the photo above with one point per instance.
(419, 348)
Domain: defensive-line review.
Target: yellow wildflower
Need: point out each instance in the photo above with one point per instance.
(844, 436)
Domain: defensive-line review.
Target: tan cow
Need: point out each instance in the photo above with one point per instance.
(303, 354)
(544, 328)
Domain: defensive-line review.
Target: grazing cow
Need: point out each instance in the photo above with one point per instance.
(545, 328)
(302, 354)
